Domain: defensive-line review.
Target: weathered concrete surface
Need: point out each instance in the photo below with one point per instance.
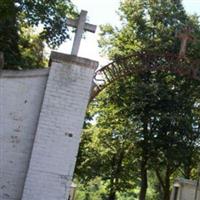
(41, 117)
(21, 96)
(185, 189)
(60, 123)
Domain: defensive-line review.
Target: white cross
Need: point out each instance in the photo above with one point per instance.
(81, 26)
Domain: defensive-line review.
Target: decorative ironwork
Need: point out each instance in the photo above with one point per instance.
(142, 62)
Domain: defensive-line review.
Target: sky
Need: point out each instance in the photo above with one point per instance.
(102, 12)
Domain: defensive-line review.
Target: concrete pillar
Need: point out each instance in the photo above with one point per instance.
(59, 127)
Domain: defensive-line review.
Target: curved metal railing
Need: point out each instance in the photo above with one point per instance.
(140, 62)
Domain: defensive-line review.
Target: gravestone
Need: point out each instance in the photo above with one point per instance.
(184, 189)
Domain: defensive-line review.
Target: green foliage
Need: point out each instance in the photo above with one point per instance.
(150, 26)
(93, 190)
(31, 47)
(107, 149)
(51, 15)
(154, 112)
(19, 14)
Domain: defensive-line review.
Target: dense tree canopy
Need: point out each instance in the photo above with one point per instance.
(111, 141)
(51, 16)
(165, 122)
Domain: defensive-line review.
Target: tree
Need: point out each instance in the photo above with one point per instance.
(106, 151)
(173, 129)
(51, 16)
(151, 26)
(31, 48)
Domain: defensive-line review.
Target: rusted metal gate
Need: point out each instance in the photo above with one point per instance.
(140, 62)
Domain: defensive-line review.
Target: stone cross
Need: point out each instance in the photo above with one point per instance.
(185, 36)
(81, 26)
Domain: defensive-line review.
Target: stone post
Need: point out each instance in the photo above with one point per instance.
(59, 127)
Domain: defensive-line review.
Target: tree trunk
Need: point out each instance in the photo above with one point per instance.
(187, 172)
(112, 196)
(116, 168)
(143, 166)
(143, 174)
(167, 185)
(167, 193)
(187, 167)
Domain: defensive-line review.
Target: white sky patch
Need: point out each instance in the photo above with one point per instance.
(102, 12)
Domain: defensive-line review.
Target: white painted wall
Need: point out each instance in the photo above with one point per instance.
(41, 118)
(21, 95)
(60, 124)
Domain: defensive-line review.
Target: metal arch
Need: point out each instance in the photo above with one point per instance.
(140, 62)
